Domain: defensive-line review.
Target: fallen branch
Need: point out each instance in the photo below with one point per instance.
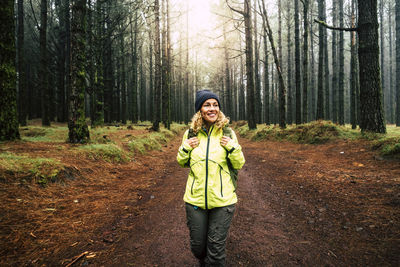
(77, 258)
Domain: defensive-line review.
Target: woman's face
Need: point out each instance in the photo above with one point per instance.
(210, 110)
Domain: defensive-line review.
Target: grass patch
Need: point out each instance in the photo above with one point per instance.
(57, 134)
(153, 140)
(43, 170)
(106, 152)
(316, 132)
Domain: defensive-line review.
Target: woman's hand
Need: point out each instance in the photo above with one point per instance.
(193, 142)
(225, 140)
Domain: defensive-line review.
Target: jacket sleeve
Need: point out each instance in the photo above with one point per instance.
(235, 153)
(184, 151)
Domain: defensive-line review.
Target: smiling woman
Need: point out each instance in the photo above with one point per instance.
(210, 195)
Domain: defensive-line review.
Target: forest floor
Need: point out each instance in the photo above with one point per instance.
(335, 204)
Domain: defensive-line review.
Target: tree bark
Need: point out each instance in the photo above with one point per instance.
(257, 80)
(78, 130)
(397, 63)
(249, 65)
(341, 65)
(22, 110)
(289, 67)
(320, 98)
(353, 68)
(335, 85)
(157, 72)
(371, 115)
(297, 60)
(305, 61)
(8, 90)
(43, 74)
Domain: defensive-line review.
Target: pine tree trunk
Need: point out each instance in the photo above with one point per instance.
(78, 130)
(22, 102)
(353, 68)
(249, 66)
(382, 56)
(134, 105)
(227, 108)
(266, 81)
(256, 70)
(305, 61)
(289, 67)
(123, 80)
(341, 65)
(397, 63)
(335, 85)
(151, 79)
(157, 72)
(282, 89)
(391, 104)
(43, 74)
(297, 60)
(8, 76)
(313, 82)
(326, 69)
(320, 98)
(67, 16)
(371, 112)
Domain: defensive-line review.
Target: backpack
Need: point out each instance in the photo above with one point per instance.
(227, 131)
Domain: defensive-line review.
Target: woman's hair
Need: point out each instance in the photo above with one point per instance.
(197, 121)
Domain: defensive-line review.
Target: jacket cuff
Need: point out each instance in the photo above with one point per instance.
(186, 147)
(230, 146)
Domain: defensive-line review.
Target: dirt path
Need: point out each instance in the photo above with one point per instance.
(284, 217)
(327, 205)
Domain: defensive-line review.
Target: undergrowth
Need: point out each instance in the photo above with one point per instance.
(316, 132)
(106, 152)
(319, 132)
(55, 134)
(42, 170)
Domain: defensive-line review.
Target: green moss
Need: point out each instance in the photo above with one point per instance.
(106, 152)
(42, 170)
(55, 134)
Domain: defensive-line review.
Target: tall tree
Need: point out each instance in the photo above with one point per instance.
(297, 60)
(341, 65)
(335, 85)
(22, 110)
(382, 54)
(8, 90)
(353, 67)
(371, 115)
(133, 100)
(282, 89)
(397, 63)
(157, 72)
(289, 65)
(257, 80)
(320, 98)
(43, 73)
(246, 13)
(78, 130)
(305, 60)
(266, 80)
(326, 69)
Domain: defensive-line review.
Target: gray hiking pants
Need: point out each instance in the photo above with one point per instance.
(208, 233)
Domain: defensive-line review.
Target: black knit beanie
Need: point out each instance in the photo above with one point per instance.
(202, 96)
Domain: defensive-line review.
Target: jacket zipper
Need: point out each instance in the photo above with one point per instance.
(220, 177)
(208, 145)
(191, 190)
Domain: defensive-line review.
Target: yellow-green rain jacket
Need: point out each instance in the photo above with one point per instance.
(209, 184)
